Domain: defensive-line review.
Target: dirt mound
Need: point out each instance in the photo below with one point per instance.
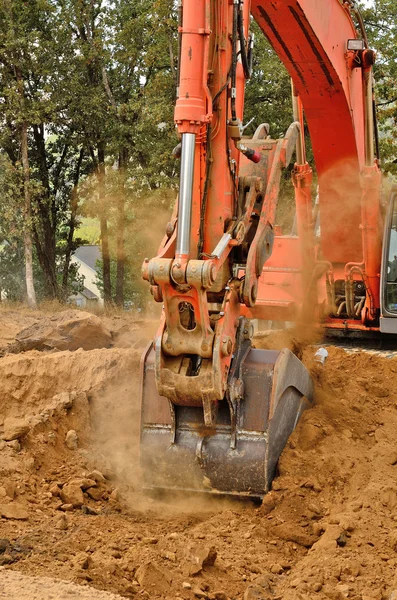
(72, 507)
(67, 330)
(14, 586)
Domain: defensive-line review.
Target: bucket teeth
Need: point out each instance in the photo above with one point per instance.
(267, 392)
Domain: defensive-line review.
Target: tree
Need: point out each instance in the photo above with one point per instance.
(268, 93)
(35, 99)
(381, 26)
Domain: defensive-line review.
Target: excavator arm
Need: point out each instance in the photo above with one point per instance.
(216, 413)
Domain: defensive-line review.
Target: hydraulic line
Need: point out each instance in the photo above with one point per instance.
(234, 60)
(208, 164)
(243, 51)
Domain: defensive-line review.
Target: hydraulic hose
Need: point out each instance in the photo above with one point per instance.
(243, 50)
(234, 61)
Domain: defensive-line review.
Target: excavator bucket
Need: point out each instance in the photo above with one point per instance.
(268, 391)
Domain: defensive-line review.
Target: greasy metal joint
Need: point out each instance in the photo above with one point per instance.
(226, 346)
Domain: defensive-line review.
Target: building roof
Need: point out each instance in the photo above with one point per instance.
(89, 255)
(88, 294)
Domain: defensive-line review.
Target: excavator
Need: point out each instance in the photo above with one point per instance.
(216, 412)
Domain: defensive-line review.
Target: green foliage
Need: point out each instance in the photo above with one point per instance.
(381, 26)
(95, 80)
(89, 230)
(146, 218)
(268, 93)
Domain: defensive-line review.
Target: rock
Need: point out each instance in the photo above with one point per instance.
(87, 510)
(150, 540)
(6, 559)
(14, 428)
(55, 490)
(10, 488)
(199, 593)
(202, 556)
(330, 539)
(277, 485)
(83, 561)
(391, 459)
(66, 507)
(186, 585)
(152, 578)
(13, 511)
(169, 555)
(311, 484)
(343, 589)
(61, 522)
(268, 504)
(294, 533)
(96, 476)
(314, 508)
(71, 440)
(276, 569)
(72, 494)
(67, 330)
(3, 492)
(220, 596)
(65, 399)
(83, 483)
(96, 493)
(115, 495)
(264, 580)
(14, 445)
(256, 592)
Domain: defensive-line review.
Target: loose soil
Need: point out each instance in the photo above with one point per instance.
(72, 507)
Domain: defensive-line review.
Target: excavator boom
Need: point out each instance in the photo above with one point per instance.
(216, 412)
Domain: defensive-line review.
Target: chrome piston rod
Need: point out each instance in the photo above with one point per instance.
(185, 194)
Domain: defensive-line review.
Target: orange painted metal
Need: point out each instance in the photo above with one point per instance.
(311, 40)
(234, 205)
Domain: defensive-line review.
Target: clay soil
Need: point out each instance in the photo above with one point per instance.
(328, 529)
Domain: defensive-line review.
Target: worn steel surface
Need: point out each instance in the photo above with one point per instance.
(239, 454)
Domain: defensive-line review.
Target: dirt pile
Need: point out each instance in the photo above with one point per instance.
(68, 330)
(14, 586)
(23, 330)
(72, 508)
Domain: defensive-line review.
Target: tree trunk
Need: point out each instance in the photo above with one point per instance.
(30, 291)
(74, 200)
(107, 288)
(119, 298)
(45, 240)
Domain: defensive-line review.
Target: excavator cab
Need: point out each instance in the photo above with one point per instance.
(388, 319)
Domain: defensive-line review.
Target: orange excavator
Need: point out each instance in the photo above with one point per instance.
(216, 412)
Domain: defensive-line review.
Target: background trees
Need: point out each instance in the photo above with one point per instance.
(87, 89)
(381, 26)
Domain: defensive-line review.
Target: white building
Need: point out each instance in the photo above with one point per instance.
(86, 258)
